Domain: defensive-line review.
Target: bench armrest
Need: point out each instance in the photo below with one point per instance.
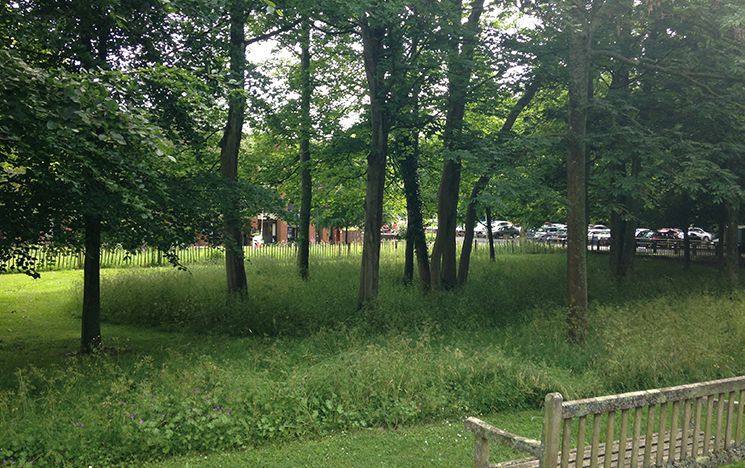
(487, 431)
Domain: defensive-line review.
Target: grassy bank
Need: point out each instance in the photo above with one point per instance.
(189, 371)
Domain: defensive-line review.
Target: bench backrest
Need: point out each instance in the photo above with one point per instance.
(637, 428)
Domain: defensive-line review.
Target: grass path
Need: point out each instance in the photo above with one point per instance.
(443, 444)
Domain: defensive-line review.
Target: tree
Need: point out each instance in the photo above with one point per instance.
(79, 154)
(483, 182)
(373, 31)
(463, 40)
(305, 161)
(229, 150)
(579, 63)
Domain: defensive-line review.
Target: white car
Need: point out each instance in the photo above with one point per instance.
(696, 233)
(598, 233)
(480, 229)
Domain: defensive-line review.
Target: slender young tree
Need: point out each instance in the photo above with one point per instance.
(229, 149)
(490, 235)
(305, 162)
(483, 182)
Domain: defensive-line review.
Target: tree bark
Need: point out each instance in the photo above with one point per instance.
(483, 182)
(579, 69)
(490, 235)
(415, 226)
(90, 336)
(732, 255)
(372, 42)
(470, 222)
(306, 182)
(230, 147)
(460, 67)
(408, 258)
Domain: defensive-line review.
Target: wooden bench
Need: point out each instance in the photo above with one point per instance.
(704, 421)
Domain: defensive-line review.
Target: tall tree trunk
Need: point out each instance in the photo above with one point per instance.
(626, 258)
(623, 230)
(409, 258)
(90, 336)
(623, 224)
(306, 182)
(579, 69)
(490, 235)
(470, 222)
(372, 42)
(483, 182)
(460, 67)
(230, 146)
(732, 255)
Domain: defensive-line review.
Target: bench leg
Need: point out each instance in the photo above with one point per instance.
(481, 453)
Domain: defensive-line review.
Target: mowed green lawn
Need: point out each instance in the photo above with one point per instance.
(297, 375)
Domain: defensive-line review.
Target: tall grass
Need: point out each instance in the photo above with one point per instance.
(302, 361)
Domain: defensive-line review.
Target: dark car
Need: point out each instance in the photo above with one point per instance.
(506, 231)
(666, 234)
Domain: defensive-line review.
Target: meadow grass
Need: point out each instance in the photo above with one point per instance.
(189, 371)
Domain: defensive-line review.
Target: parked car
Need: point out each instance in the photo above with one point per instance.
(559, 236)
(666, 234)
(696, 233)
(548, 233)
(480, 229)
(642, 232)
(505, 231)
(598, 233)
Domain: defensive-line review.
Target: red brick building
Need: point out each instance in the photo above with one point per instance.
(276, 230)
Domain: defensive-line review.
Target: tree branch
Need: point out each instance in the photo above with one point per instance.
(270, 34)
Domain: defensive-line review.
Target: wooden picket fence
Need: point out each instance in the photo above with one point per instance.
(64, 259)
